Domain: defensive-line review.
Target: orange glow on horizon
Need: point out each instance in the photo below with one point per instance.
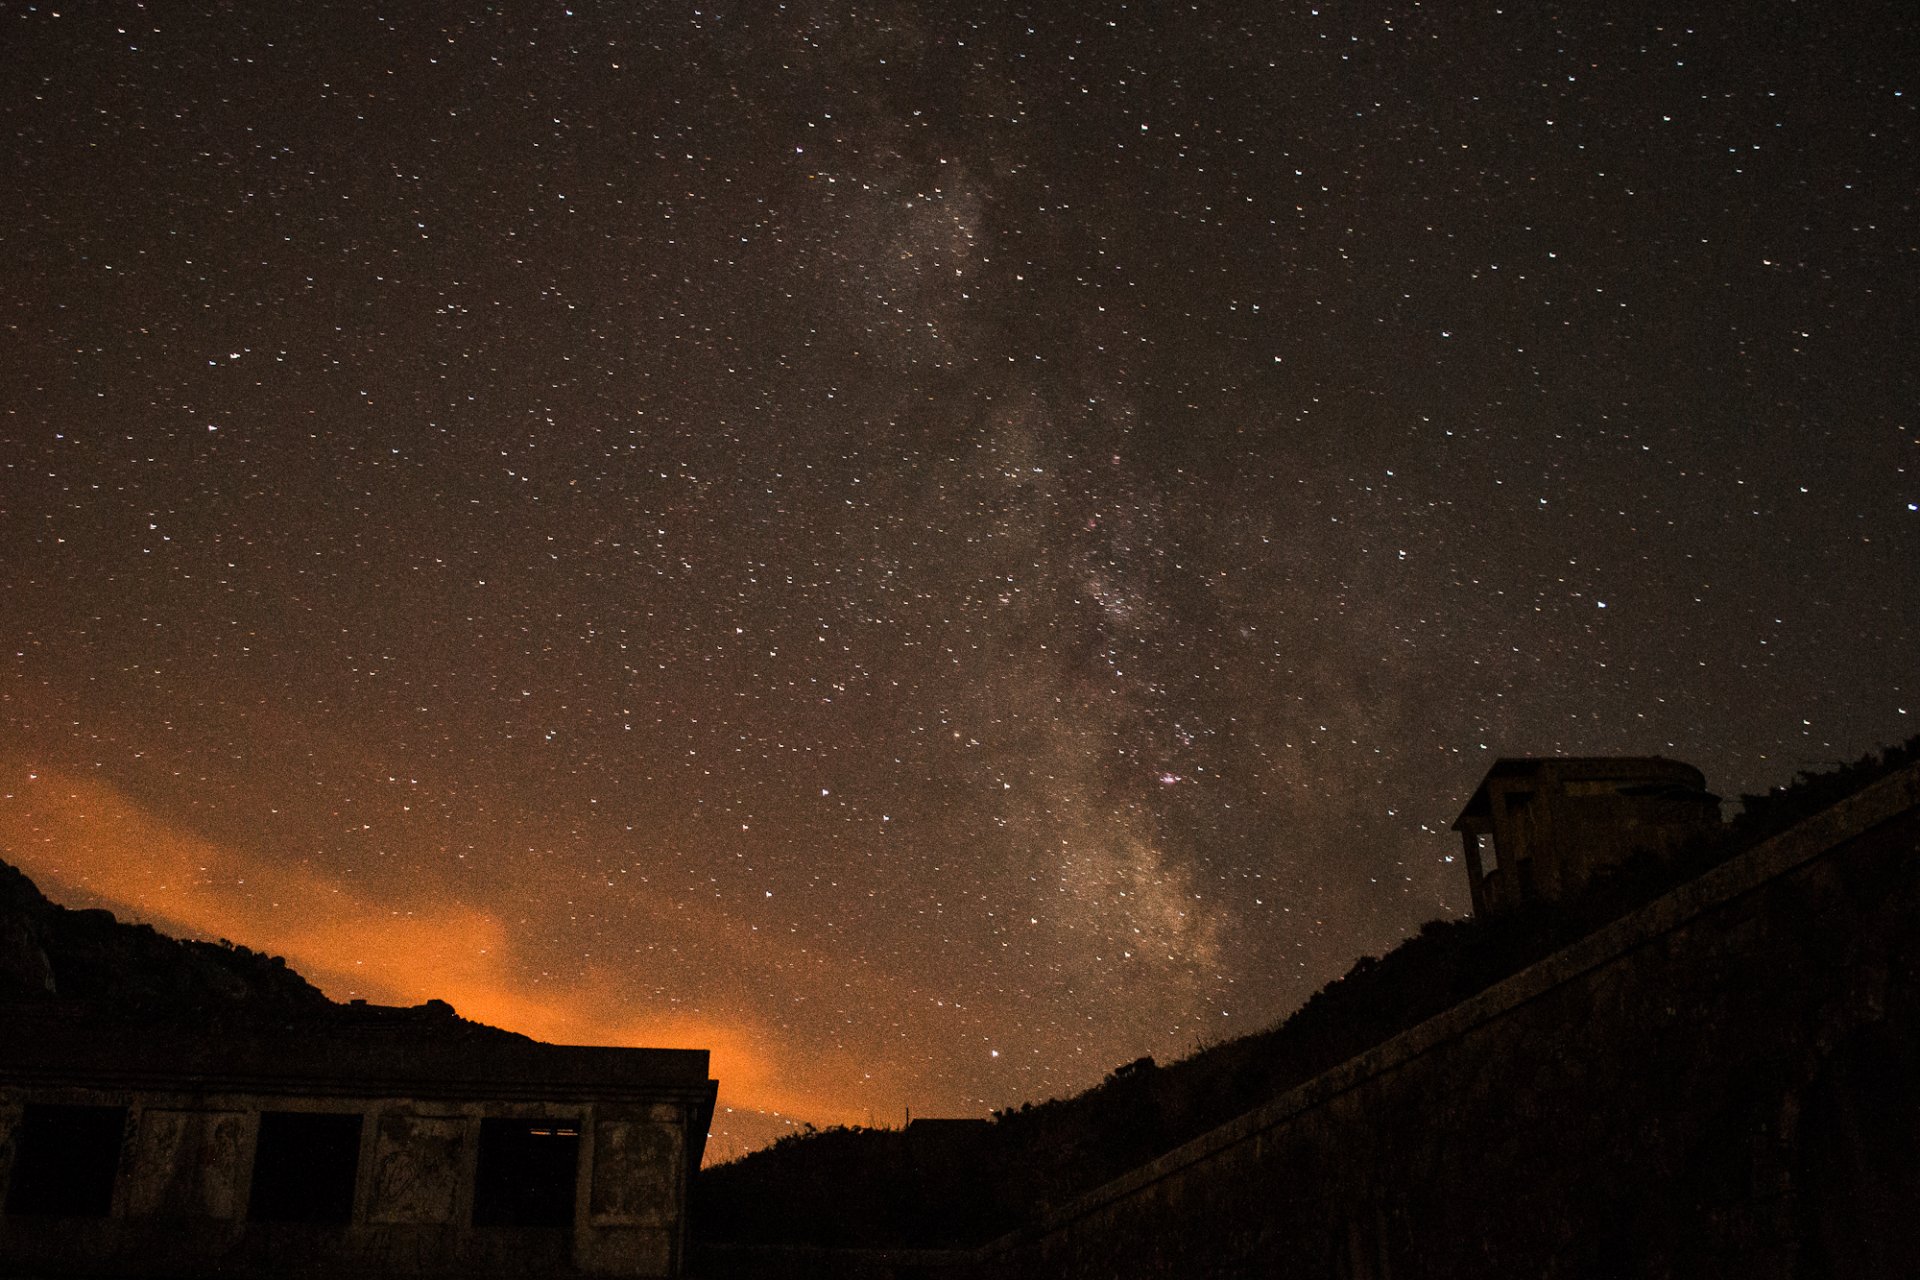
(79, 837)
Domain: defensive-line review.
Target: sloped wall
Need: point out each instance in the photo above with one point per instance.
(1719, 1085)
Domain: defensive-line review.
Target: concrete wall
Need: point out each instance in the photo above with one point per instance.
(1719, 1085)
(180, 1197)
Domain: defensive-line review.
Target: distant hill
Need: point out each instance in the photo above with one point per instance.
(964, 1184)
(87, 966)
(51, 953)
(931, 1185)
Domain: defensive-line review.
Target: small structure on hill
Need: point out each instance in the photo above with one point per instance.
(1540, 829)
(378, 1142)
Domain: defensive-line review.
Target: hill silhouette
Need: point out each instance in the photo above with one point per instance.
(930, 1185)
(50, 953)
(85, 966)
(964, 1184)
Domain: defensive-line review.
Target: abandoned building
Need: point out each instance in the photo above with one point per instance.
(1717, 1080)
(1540, 830)
(390, 1141)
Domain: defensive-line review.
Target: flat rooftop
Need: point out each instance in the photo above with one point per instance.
(360, 1050)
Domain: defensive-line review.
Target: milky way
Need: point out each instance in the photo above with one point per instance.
(932, 549)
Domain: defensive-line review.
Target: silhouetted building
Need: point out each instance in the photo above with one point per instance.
(388, 1142)
(1540, 829)
(1718, 1082)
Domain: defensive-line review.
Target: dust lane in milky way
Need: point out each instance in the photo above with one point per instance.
(932, 549)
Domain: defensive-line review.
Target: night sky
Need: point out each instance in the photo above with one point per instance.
(931, 548)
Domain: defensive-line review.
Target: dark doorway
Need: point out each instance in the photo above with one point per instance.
(304, 1167)
(527, 1173)
(65, 1160)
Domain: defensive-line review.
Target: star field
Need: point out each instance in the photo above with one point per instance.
(931, 549)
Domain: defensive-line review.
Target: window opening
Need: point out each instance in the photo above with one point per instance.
(304, 1167)
(527, 1173)
(65, 1160)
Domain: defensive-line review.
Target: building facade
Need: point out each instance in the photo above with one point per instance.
(1540, 829)
(397, 1142)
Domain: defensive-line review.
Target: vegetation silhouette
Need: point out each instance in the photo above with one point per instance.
(930, 1185)
(60, 955)
(893, 1189)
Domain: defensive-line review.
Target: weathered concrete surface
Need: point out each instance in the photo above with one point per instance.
(419, 1167)
(1558, 822)
(636, 1202)
(187, 1164)
(193, 1114)
(1722, 1084)
(181, 1195)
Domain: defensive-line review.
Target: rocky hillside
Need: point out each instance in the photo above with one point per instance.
(83, 966)
(51, 953)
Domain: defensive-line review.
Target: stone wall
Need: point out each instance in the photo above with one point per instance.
(1721, 1084)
